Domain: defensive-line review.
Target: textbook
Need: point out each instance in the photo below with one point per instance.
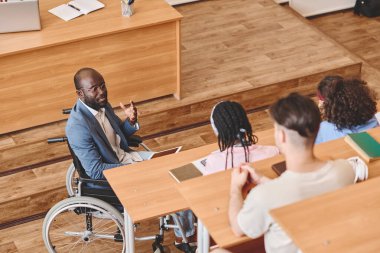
(185, 172)
(76, 8)
(365, 145)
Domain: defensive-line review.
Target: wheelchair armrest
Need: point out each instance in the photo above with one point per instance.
(94, 181)
(134, 141)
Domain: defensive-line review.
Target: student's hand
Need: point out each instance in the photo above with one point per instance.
(130, 112)
(254, 176)
(238, 179)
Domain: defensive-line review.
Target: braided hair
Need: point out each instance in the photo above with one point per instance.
(232, 127)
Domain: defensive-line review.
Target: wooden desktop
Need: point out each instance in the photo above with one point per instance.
(346, 220)
(146, 189)
(139, 57)
(210, 204)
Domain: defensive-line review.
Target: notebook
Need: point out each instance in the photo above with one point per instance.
(18, 16)
(365, 145)
(279, 168)
(185, 172)
(76, 8)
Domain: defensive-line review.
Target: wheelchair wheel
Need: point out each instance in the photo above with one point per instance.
(71, 181)
(83, 224)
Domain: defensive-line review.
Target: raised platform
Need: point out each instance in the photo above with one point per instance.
(229, 53)
(250, 51)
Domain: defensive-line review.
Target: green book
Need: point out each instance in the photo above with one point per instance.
(365, 145)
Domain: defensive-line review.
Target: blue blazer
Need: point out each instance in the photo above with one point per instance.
(90, 144)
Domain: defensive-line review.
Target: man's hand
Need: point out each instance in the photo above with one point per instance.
(238, 179)
(254, 176)
(130, 112)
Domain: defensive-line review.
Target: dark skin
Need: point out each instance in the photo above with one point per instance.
(93, 92)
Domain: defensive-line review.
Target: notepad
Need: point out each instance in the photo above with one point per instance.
(185, 172)
(76, 8)
(365, 145)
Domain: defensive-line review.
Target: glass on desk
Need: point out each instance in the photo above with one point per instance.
(126, 8)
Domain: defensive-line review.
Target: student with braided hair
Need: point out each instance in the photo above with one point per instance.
(237, 143)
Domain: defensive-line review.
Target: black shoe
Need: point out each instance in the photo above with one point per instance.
(185, 247)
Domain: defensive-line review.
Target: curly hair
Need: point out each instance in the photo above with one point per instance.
(324, 85)
(348, 103)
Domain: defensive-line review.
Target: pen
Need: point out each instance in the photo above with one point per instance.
(72, 6)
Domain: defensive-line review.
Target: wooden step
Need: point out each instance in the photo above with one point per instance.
(32, 192)
(35, 191)
(27, 147)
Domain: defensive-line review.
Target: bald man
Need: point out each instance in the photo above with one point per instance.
(95, 133)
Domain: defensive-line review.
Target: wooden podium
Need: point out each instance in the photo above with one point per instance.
(139, 57)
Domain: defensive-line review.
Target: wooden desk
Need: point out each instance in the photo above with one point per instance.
(139, 58)
(346, 220)
(146, 189)
(210, 204)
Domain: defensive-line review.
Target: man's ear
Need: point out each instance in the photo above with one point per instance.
(79, 93)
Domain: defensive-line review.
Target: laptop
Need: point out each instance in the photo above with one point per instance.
(19, 15)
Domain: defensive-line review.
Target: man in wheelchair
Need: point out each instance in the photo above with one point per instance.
(99, 140)
(98, 137)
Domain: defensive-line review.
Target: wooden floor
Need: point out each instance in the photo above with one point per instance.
(226, 54)
(359, 35)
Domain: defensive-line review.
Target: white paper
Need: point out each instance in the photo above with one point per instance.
(87, 6)
(65, 12)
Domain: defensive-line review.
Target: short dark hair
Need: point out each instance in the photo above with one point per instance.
(298, 113)
(349, 103)
(78, 76)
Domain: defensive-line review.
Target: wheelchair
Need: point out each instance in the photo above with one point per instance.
(91, 219)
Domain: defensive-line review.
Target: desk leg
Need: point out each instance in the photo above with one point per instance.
(203, 238)
(129, 233)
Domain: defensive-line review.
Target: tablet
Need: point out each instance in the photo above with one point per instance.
(165, 152)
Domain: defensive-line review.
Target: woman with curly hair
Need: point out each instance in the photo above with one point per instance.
(347, 106)
(237, 143)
